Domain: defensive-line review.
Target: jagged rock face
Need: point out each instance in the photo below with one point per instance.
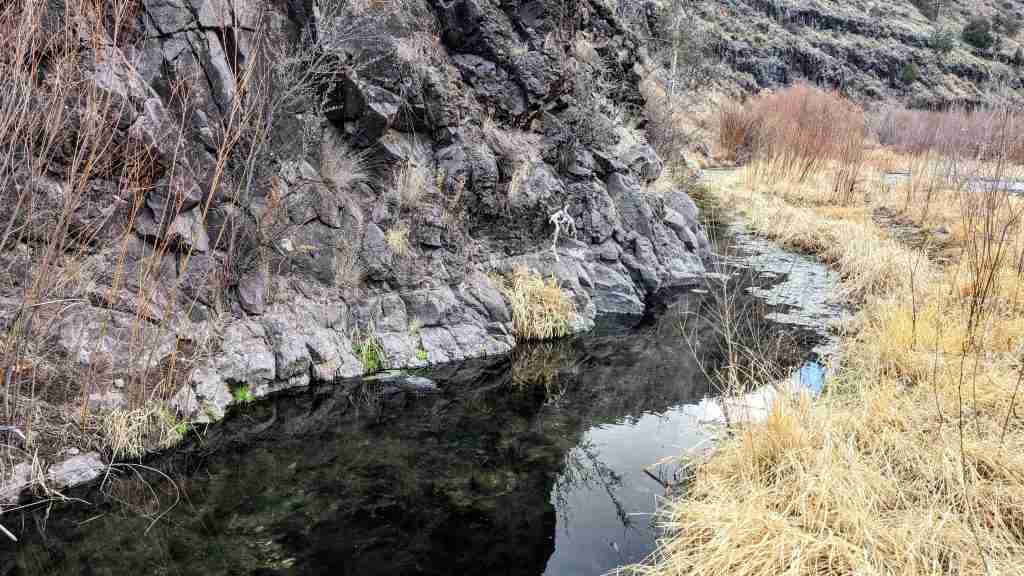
(324, 175)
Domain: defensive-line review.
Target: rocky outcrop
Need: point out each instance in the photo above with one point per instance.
(327, 180)
(870, 51)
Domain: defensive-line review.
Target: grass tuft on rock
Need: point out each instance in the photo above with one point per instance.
(541, 310)
(368, 350)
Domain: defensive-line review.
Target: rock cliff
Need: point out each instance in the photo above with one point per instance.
(308, 179)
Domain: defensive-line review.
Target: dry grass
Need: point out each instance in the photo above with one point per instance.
(871, 486)
(131, 433)
(413, 181)
(397, 238)
(344, 167)
(541, 310)
(912, 461)
(868, 260)
(935, 187)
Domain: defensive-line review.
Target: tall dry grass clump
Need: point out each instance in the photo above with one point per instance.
(541, 310)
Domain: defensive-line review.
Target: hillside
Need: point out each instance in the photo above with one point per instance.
(902, 50)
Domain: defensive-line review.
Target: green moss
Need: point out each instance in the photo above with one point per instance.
(242, 394)
(421, 355)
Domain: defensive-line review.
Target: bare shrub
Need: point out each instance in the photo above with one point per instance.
(57, 122)
(797, 133)
(669, 130)
(737, 132)
(994, 133)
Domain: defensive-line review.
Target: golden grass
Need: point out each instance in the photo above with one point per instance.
(397, 238)
(541, 310)
(867, 259)
(413, 181)
(130, 433)
(871, 485)
(912, 462)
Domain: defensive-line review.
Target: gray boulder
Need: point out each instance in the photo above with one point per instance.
(643, 162)
(75, 471)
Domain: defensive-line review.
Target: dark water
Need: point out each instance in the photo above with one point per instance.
(542, 462)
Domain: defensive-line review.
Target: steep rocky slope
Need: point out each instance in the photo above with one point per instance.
(871, 50)
(285, 184)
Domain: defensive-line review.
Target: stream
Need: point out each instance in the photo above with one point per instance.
(550, 460)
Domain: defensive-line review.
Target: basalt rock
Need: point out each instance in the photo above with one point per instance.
(411, 154)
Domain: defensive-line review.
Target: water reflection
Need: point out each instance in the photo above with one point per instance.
(610, 487)
(497, 469)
